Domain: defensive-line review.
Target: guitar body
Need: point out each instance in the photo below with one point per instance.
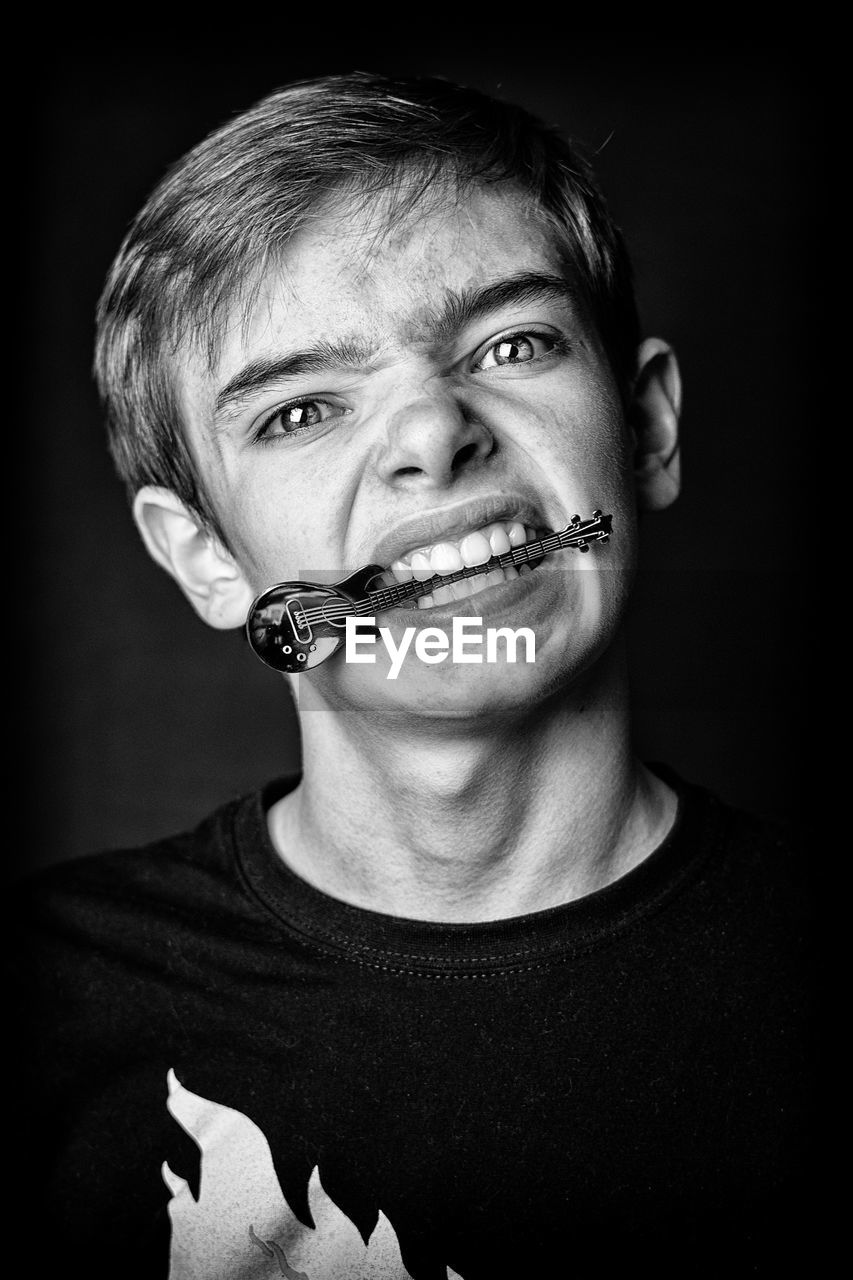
(285, 640)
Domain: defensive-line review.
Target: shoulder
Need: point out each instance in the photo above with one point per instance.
(131, 871)
(103, 896)
(750, 871)
(709, 819)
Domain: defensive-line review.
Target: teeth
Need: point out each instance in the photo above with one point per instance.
(475, 548)
(498, 540)
(446, 558)
(421, 567)
(471, 586)
(493, 577)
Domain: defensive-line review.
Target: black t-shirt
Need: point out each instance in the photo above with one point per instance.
(223, 1066)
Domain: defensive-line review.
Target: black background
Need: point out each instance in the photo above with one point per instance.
(136, 718)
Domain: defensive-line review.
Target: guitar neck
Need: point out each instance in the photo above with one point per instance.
(578, 534)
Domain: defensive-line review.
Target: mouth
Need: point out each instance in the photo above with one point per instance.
(471, 552)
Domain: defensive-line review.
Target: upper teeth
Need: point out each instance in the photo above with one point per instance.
(472, 549)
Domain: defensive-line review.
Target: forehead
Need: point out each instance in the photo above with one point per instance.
(369, 274)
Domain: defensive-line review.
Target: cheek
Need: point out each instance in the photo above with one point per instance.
(261, 527)
(599, 443)
(590, 455)
(285, 520)
(583, 443)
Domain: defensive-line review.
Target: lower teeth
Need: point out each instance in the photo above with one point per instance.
(490, 579)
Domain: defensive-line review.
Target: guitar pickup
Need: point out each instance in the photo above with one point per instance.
(296, 614)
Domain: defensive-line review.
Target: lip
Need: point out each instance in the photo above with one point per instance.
(452, 522)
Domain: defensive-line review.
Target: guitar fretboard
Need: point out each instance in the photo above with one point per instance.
(578, 534)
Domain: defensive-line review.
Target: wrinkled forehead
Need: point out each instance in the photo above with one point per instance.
(386, 267)
(349, 237)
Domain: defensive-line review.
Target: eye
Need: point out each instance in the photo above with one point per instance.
(517, 348)
(294, 418)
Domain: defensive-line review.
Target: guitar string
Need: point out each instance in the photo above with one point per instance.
(386, 597)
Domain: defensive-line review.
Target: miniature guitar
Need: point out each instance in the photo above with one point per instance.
(294, 626)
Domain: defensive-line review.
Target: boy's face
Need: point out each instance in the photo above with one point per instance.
(401, 387)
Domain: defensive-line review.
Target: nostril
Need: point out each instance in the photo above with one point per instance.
(466, 454)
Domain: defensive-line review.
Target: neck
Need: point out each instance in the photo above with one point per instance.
(471, 825)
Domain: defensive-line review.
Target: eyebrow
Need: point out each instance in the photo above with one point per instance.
(319, 358)
(458, 311)
(464, 308)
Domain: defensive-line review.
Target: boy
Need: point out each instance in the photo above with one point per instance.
(478, 993)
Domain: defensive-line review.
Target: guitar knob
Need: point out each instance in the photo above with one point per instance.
(312, 647)
(285, 648)
(596, 514)
(300, 657)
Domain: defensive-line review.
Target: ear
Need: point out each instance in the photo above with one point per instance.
(206, 573)
(653, 416)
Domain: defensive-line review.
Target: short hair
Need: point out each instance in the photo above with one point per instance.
(225, 211)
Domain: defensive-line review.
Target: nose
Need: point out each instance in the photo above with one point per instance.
(431, 440)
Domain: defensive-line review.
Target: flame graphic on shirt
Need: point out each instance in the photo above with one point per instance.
(242, 1228)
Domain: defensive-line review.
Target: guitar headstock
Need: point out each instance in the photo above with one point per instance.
(580, 533)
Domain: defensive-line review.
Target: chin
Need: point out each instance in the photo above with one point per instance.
(462, 693)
